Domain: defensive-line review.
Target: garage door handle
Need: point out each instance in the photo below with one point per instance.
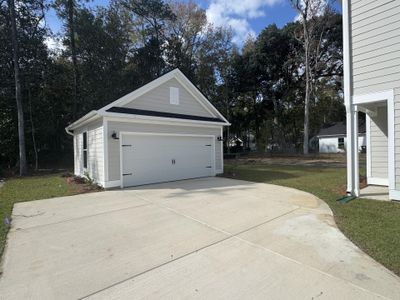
(126, 174)
(208, 167)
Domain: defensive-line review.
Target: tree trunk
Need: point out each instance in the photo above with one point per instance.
(307, 92)
(23, 168)
(71, 29)
(33, 130)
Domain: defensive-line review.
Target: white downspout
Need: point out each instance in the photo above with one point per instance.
(347, 98)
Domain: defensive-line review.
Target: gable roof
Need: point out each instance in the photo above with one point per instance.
(338, 128)
(114, 109)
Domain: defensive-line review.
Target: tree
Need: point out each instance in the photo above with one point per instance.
(23, 166)
(308, 10)
(66, 10)
(150, 17)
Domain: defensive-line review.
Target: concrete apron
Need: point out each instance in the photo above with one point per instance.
(202, 238)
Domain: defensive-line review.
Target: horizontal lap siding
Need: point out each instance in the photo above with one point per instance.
(78, 155)
(375, 34)
(96, 154)
(375, 42)
(397, 137)
(158, 99)
(113, 145)
(379, 144)
(95, 166)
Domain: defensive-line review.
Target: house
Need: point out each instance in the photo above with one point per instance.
(164, 131)
(332, 138)
(371, 46)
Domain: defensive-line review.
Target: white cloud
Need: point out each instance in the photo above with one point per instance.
(236, 14)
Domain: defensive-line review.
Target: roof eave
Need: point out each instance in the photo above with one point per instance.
(90, 116)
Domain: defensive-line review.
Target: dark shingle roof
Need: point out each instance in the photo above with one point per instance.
(338, 128)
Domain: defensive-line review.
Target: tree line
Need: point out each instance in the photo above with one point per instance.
(268, 88)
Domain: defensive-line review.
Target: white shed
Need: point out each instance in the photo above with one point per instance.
(332, 138)
(164, 131)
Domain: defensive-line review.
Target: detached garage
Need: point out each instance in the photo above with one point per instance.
(164, 131)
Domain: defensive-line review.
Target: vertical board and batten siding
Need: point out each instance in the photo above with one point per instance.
(95, 165)
(158, 99)
(379, 144)
(114, 147)
(375, 46)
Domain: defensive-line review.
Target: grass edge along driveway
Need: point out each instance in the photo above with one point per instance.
(374, 226)
(20, 189)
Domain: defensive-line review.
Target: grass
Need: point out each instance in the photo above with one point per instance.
(374, 226)
(28, 189)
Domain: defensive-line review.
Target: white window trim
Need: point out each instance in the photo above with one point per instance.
(87, 151)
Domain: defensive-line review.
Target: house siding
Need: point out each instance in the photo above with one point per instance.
(375, 45)
(158, 99)
(397, 137)
(95, 167)
(375, 67)
(114, 147)
(379, 144)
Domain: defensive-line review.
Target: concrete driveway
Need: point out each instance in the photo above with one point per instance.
(210, 238)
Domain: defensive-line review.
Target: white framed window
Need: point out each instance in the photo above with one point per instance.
(85, 150)
(174, 95)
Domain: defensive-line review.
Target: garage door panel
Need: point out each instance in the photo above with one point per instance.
(157, 158)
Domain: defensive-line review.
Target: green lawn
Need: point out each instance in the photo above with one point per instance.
(28, 189)
(372, 225)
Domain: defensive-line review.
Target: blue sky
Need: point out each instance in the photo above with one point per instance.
(244, 16)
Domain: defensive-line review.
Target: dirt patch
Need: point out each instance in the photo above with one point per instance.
(314, 160)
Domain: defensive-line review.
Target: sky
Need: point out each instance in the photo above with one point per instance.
(244, 16)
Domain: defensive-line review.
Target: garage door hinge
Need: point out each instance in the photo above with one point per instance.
(126, 174)
(208, 167)
(208, 145)
(126, 145)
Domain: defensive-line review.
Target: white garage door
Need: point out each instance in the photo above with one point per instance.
(160, 158)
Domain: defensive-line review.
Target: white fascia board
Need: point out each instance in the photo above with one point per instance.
(120, 117)
(89, 117)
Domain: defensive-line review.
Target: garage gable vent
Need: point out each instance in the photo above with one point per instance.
(174, 95)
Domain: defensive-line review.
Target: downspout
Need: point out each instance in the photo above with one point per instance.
(347, 97)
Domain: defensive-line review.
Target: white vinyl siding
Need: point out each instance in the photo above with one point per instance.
(375, 36)
(158, 99)
(397, 137)
(78, 158)
(114, 147)
(375, 58)
(379, 145)
(95, 164)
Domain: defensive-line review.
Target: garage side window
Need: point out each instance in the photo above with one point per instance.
(84, 150)
(341, 143)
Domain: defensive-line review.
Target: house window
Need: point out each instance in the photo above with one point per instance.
(341, 143)
(85, 152)
(174, 95)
